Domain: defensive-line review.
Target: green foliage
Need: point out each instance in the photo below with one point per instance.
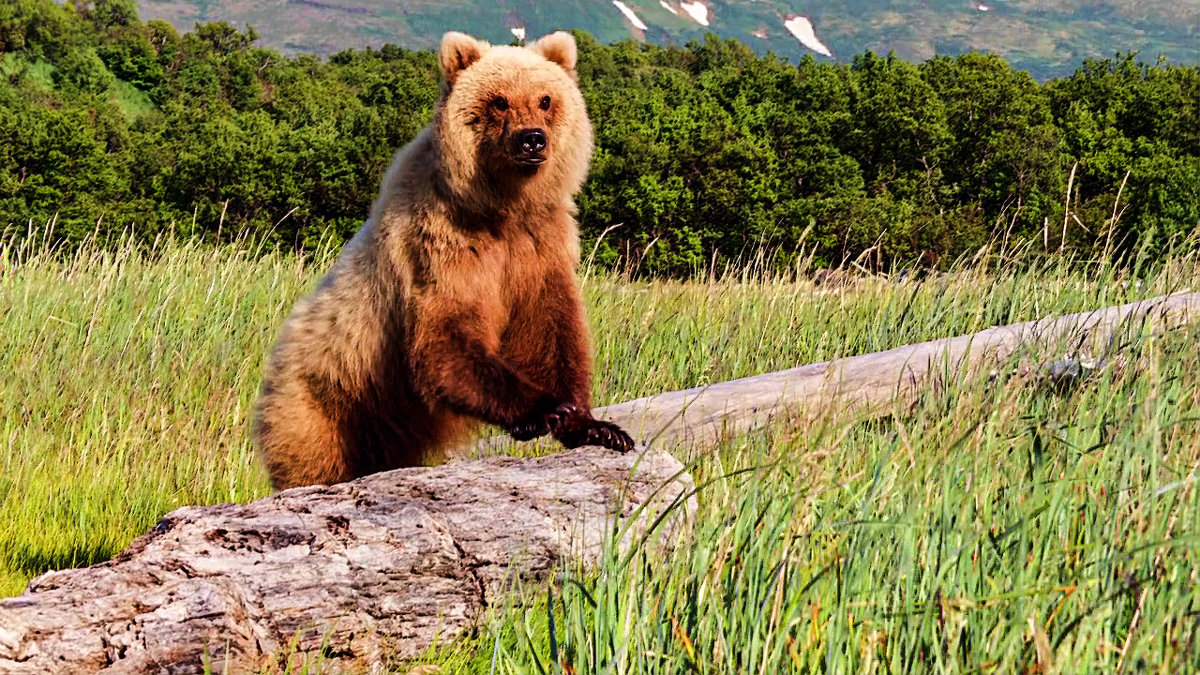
(80, 71)
(1121, 117)
(704, 152)
(108, 14)
(38, 27)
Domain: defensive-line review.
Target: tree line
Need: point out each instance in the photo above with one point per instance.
(704, 152)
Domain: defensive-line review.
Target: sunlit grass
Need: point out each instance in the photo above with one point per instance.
(993, 526)
(1000, 527)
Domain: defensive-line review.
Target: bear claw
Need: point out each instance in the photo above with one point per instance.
(540, 425)
(596, 432)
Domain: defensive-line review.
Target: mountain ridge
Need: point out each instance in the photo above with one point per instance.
(1047, 37)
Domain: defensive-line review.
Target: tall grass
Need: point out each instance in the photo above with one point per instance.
(996, 527)
(995, 523)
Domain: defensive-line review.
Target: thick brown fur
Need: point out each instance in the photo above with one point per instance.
(457, 302)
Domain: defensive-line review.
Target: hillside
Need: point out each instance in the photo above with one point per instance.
(703, 153)
(1047, 37)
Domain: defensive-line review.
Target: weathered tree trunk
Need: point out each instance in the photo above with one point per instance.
(871, 381)
(874, 381)
(366, 571)
(379, 566)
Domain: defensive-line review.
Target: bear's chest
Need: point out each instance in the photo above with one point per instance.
(526, 264)
(505, 259)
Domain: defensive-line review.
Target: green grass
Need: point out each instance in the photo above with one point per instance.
(955, 537)
(39, 71)
(133, 102)
(995, 526)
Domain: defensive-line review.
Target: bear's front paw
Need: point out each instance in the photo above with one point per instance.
(540, 424)
(580, 431)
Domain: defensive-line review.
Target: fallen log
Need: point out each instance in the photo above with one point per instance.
(378, 567)
(362, 572)
(870, 382)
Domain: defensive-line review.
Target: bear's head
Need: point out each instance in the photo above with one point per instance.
(511, 122)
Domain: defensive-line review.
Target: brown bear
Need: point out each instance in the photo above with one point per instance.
(457, 302)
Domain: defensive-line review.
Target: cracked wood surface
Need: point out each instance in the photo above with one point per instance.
(367, 571)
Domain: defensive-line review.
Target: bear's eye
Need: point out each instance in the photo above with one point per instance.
(500, 103)
(545, 104)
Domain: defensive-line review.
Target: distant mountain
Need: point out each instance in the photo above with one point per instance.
(1047, 37)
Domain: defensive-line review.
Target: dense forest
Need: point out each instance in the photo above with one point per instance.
(109, 124)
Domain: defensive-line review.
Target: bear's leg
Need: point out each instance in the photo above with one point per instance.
(564, 362)
(299, 442)
(455, 360)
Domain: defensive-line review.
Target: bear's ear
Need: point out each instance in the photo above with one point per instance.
(458, 52)
(558, 48)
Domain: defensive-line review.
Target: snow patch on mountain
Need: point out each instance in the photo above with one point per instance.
(697, 10)
(799, 26)
(633, 18)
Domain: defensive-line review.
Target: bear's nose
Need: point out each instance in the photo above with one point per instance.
(532, 140)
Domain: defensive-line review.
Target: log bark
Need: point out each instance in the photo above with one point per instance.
(876, 381)
(871, 382)
(363, 572)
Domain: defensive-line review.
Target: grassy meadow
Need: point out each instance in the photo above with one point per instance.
(994, 526)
